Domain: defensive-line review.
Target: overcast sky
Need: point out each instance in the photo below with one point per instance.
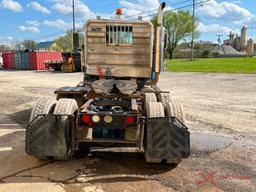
(45, 19)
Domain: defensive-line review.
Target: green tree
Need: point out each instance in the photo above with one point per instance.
(179, 26)
(64, 43)
(5, 48)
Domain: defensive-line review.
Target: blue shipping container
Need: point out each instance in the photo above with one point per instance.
(24, 60)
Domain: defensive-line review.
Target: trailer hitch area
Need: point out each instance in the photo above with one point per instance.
(167, 138)
(45, 137)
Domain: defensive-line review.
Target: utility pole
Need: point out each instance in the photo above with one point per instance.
(193, 32)
(74, 22)
(74, 45)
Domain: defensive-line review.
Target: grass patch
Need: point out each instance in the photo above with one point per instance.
(214, 65)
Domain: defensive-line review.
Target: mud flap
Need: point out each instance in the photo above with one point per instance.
(45, 138)
(167, 139)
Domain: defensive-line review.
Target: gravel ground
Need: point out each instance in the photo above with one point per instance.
(220, 113)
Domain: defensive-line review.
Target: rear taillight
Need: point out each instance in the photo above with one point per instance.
(86, 119)
(130, 121)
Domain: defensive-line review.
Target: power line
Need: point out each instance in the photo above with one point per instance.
(63, 32)
(145, 12)
(39, 37)
(141, 13)
(41, 20)
(52, 16)
(180, 2)
(179, 8)
(54, 34)
(43, 36)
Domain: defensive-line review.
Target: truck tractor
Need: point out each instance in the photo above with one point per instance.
(118, 102)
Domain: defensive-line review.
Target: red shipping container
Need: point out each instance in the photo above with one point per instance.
(11, 60)
(5, 62)
(8, 60)
(36, 59)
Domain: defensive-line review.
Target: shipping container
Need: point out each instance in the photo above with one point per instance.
(17, 60)
(36, 59)
(24, 60)
(8, 60)
(5, 63)
(11, 60)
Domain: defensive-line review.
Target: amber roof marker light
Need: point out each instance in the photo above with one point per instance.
(119, 11)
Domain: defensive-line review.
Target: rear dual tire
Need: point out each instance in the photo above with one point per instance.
(156, 141)
(172, 107)
(153, 109)
(58, 138)
(66, 107)
(42, 106)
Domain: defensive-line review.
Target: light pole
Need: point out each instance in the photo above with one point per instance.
(193, 32)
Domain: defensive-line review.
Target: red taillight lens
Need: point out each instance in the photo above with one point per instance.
(131, 119)
(86, 119)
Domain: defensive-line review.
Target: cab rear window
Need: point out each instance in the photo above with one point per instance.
(119, 35)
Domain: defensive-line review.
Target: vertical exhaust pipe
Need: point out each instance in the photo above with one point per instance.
(157, 60)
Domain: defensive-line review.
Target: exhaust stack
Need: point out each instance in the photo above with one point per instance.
(157, 60)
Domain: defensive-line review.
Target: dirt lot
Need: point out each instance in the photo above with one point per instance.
(220, 112)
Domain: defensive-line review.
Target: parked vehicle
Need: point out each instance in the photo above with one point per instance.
(118, 102)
